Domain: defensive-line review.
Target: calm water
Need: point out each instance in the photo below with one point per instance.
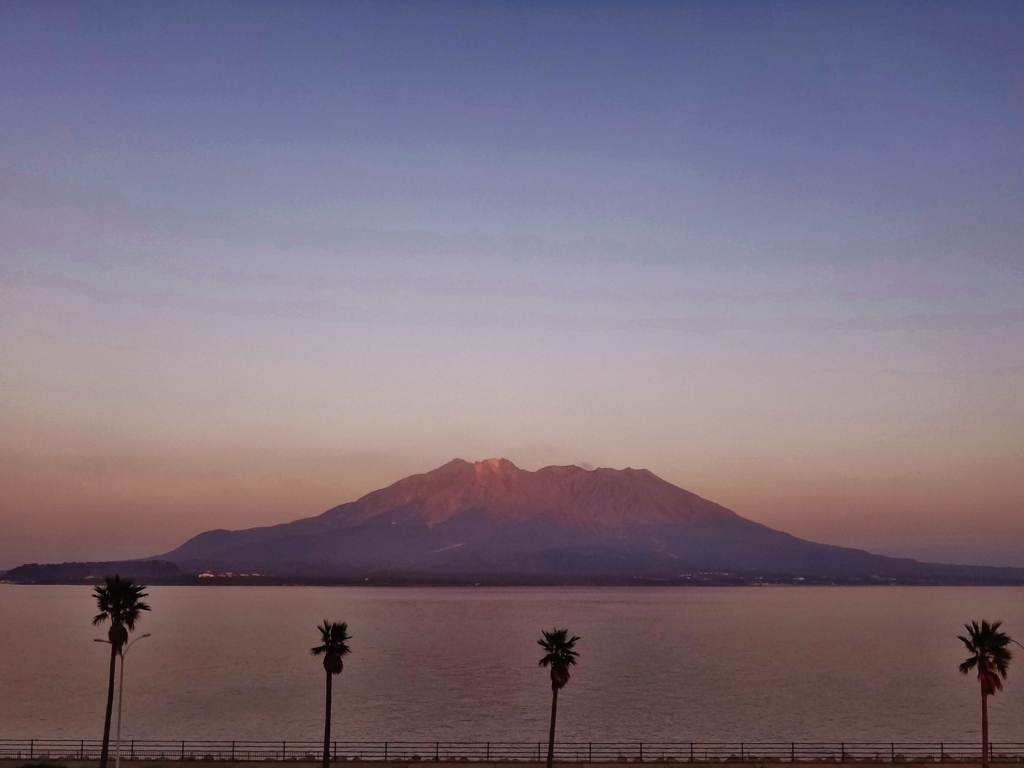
(714, 664)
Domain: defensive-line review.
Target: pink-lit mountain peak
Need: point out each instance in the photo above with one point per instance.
(569, 494)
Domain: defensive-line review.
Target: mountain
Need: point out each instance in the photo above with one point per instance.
(492, 520)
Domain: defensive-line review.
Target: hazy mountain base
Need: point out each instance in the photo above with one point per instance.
(399, 547)
(299, 573)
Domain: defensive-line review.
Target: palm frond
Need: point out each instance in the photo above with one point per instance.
(967, 665)
(560, 654)
(119, 601)
(989, 654)
(334, 639)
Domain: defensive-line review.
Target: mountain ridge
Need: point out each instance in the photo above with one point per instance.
(515, 493)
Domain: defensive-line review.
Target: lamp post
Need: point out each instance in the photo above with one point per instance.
(120, 691)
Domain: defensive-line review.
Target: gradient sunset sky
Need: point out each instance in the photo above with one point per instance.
(257, 259)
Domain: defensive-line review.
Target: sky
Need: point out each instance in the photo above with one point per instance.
(257, 259)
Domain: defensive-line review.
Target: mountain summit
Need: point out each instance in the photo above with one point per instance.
(492, 519)
(603, 498)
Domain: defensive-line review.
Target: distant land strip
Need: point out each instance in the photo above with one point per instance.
(164, 573)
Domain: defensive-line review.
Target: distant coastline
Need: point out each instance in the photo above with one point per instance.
(164, 573)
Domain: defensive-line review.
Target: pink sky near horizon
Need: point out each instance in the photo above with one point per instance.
(206, 434)
(256, 263)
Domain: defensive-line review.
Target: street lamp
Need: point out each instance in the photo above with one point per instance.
(120, 690)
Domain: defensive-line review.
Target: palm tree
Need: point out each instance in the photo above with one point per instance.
(120, 603)
(334, 637)
(991, 657)
(559, 655)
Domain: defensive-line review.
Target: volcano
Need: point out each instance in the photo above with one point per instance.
(561, 524)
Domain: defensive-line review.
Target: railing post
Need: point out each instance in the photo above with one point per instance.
(31, 748)
(182, 749)
(81, 749)
(385, 751)
(741, 752)
(942, 752)
(641, 751)
(842, 756)
(892, 752)
(488, 751)
(284, 749)
(232, 751)
(792, 751)
(590, 752)
(691, 751)
(133, 750)
(437, 751)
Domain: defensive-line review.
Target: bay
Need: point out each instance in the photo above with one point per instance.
(657, 664)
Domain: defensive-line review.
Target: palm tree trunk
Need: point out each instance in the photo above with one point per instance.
(110, 709)
(984, 730)
(327, 725)
(551, 735)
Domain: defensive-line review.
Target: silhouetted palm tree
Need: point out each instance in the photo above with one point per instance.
(559, 656)
(990, 656)
(120, 603)
(334, 637)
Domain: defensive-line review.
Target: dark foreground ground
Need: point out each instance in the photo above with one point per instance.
(455, 764)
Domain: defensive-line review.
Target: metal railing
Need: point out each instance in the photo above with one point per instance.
(519, 751)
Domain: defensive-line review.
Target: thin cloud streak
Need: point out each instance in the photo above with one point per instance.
(341, 307)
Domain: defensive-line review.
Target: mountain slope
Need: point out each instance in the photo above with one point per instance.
(492, 518)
